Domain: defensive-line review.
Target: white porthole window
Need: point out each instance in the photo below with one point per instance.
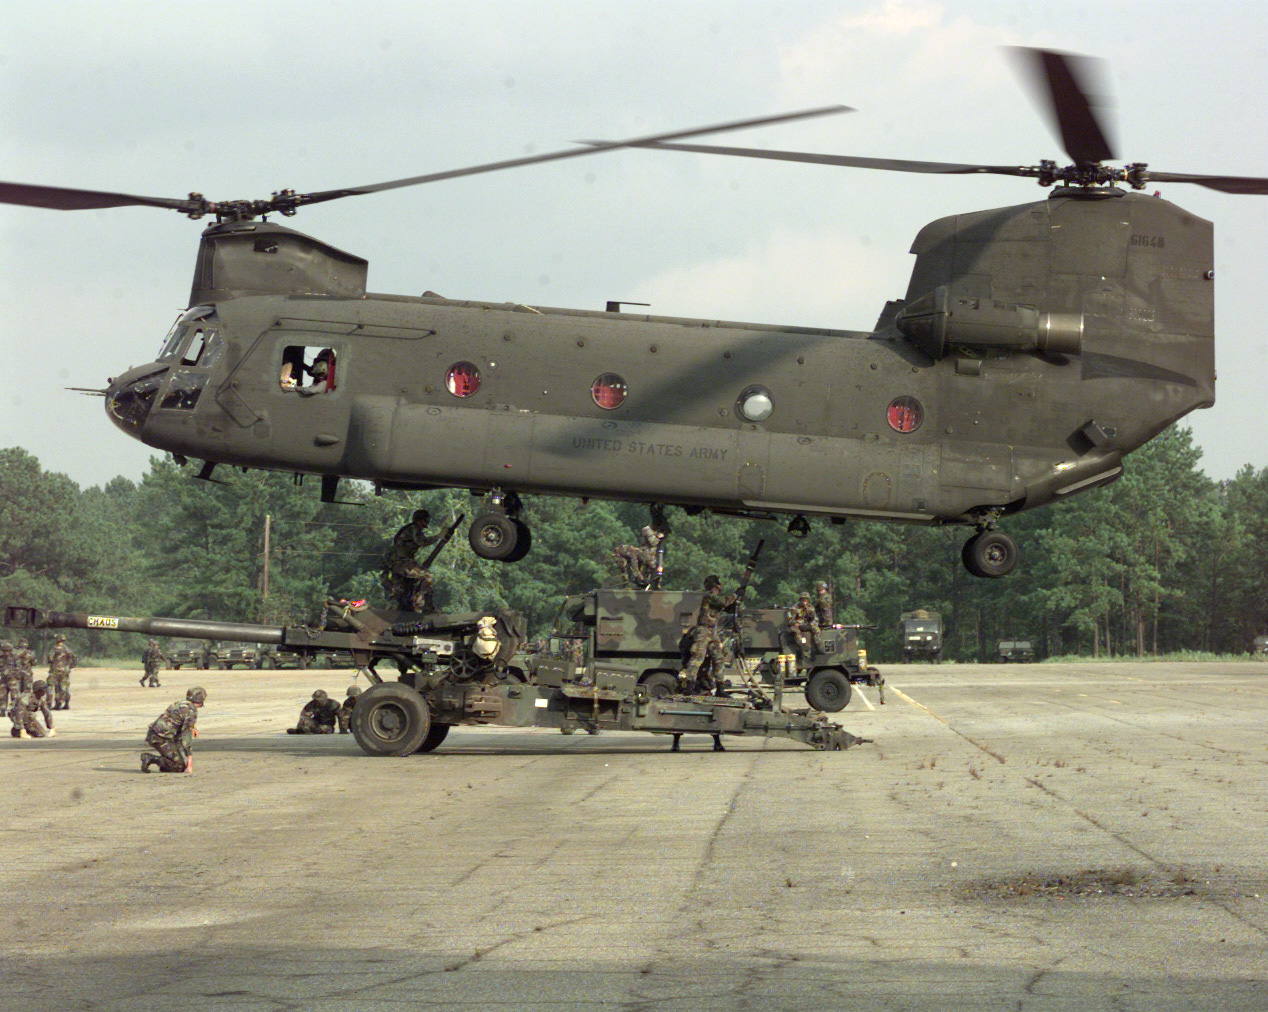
(756, 404)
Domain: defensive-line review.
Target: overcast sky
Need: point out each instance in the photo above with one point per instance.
(238, 100)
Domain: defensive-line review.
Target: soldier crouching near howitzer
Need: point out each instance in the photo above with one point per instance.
(153, 658)
(345, 711)
(35, 701)
(704, 655)
(407, 583)
(319, 715)
(638, 563)
(60, 660)
(172, 735)
(9, 686)
(24, 661)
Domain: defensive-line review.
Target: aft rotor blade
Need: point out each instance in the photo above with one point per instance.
(1072, 87)
(434, 177)
(1226, 184)
(893, 164)
(61, 198)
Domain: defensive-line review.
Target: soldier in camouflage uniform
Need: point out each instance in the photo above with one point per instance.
(9, 686)
(172, 735)
(60, 660)
(153, 658)
(824, 610)
(23, 714)
(319, 715)
(408, 585)
(803, 626)
(24, 661)
(704, 654)
(345, 711)
(637, 563)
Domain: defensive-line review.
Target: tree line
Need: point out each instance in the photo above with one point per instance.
(1162, 561)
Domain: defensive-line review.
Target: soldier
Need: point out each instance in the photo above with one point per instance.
(24, 661)
(345, 711)
(9, 686)
(60, 660)
(29, 703)
(638, 562)
(697, 675)
(803, 626)
(408, 585)
(823, 605)
(153, 658)
(172, 735)
(319, 715)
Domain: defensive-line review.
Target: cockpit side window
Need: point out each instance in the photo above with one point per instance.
(309, 369)
(195, 350)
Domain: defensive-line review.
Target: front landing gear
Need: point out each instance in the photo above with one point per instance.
(990, 554)
(499, 533)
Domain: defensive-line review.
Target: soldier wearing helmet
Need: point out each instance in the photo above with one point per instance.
(31, 704)
(408, 585)
(824, 610)
(24, 661)
(703, 657)
(319, 715)
(345, 711)
(60, 660)
(803, 627)
(637, 563)
(153, 658)
(172, 735)
(9, 685)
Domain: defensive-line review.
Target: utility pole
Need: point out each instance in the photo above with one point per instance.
(264, 580)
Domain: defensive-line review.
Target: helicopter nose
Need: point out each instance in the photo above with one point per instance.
(130, 398)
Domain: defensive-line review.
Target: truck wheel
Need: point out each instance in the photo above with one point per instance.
(390, 719)
(176, 667)
(435, 735)
(828, 690)
(659, 684)
(494, 536)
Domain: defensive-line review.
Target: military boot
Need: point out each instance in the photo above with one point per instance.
(146, 759)
(143, 679)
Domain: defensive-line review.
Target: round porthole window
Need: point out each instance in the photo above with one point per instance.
(904, 414)
(609, 391)
(463, 379)
(756, 404)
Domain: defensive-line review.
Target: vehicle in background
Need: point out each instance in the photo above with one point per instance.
(269, 657)
(1014, 652)
(921, 632)
(225, 655)
(187, 654)
(1260, 647)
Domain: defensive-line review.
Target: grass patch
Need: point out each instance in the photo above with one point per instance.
(1181, 656)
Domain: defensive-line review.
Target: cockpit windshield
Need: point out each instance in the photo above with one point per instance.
(175, 336)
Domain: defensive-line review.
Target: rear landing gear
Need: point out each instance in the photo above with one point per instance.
(990, 554)
(499, 533)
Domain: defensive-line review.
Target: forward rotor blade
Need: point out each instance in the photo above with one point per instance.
(61, 198)
(433, 177)
(1226, 184)
(893, 164)
(1072, 87)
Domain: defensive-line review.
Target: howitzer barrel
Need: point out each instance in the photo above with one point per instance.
(243, 632)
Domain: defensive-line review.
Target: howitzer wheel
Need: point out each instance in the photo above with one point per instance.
(828, 690)
(391, 719)
(659, 685)
(435, 735)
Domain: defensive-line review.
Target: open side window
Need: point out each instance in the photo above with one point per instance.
(309, 369)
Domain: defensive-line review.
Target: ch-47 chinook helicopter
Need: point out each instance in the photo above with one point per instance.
(1035, 347)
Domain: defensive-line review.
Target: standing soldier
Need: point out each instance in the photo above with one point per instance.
(9, 686)
(705, 645)
(172, 735)
(30, 703)
(60, 660)
(823, 605)
(24, 660)
(408, 584)
(345, 711)
(153, 658)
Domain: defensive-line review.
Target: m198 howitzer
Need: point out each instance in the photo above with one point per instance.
(458, 669)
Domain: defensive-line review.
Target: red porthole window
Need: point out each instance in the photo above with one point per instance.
(463, 379)
(904, 414)
(609, 391)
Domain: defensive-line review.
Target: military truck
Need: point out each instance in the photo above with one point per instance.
(1260, 647)
(271, 657)
(1014, 652)
(644, 631)
(454, 669)
(226, 655)
(187, 654)
(921, 633)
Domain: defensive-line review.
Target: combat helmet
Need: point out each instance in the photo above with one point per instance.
(5, 647)
(320, 695)
(805, 595)
(197, 695)
(59, 638)
(821, 585)
(353, 690)
(421, 517)
(39, 685)
(22, 643)
(712, 580)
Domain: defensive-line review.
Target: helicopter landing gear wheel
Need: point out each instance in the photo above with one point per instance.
(494, 536)
(524, 542)
(990, 554)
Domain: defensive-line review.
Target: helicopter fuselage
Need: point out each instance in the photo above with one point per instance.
(1036, 345)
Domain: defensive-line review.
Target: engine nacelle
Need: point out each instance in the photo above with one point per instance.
(940, 320)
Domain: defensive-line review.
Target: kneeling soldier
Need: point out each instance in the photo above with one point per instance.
(345, 711)
(319, 715)
(172, 735)
(35, 701)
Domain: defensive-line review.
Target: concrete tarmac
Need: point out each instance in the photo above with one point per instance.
(1039, 837)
